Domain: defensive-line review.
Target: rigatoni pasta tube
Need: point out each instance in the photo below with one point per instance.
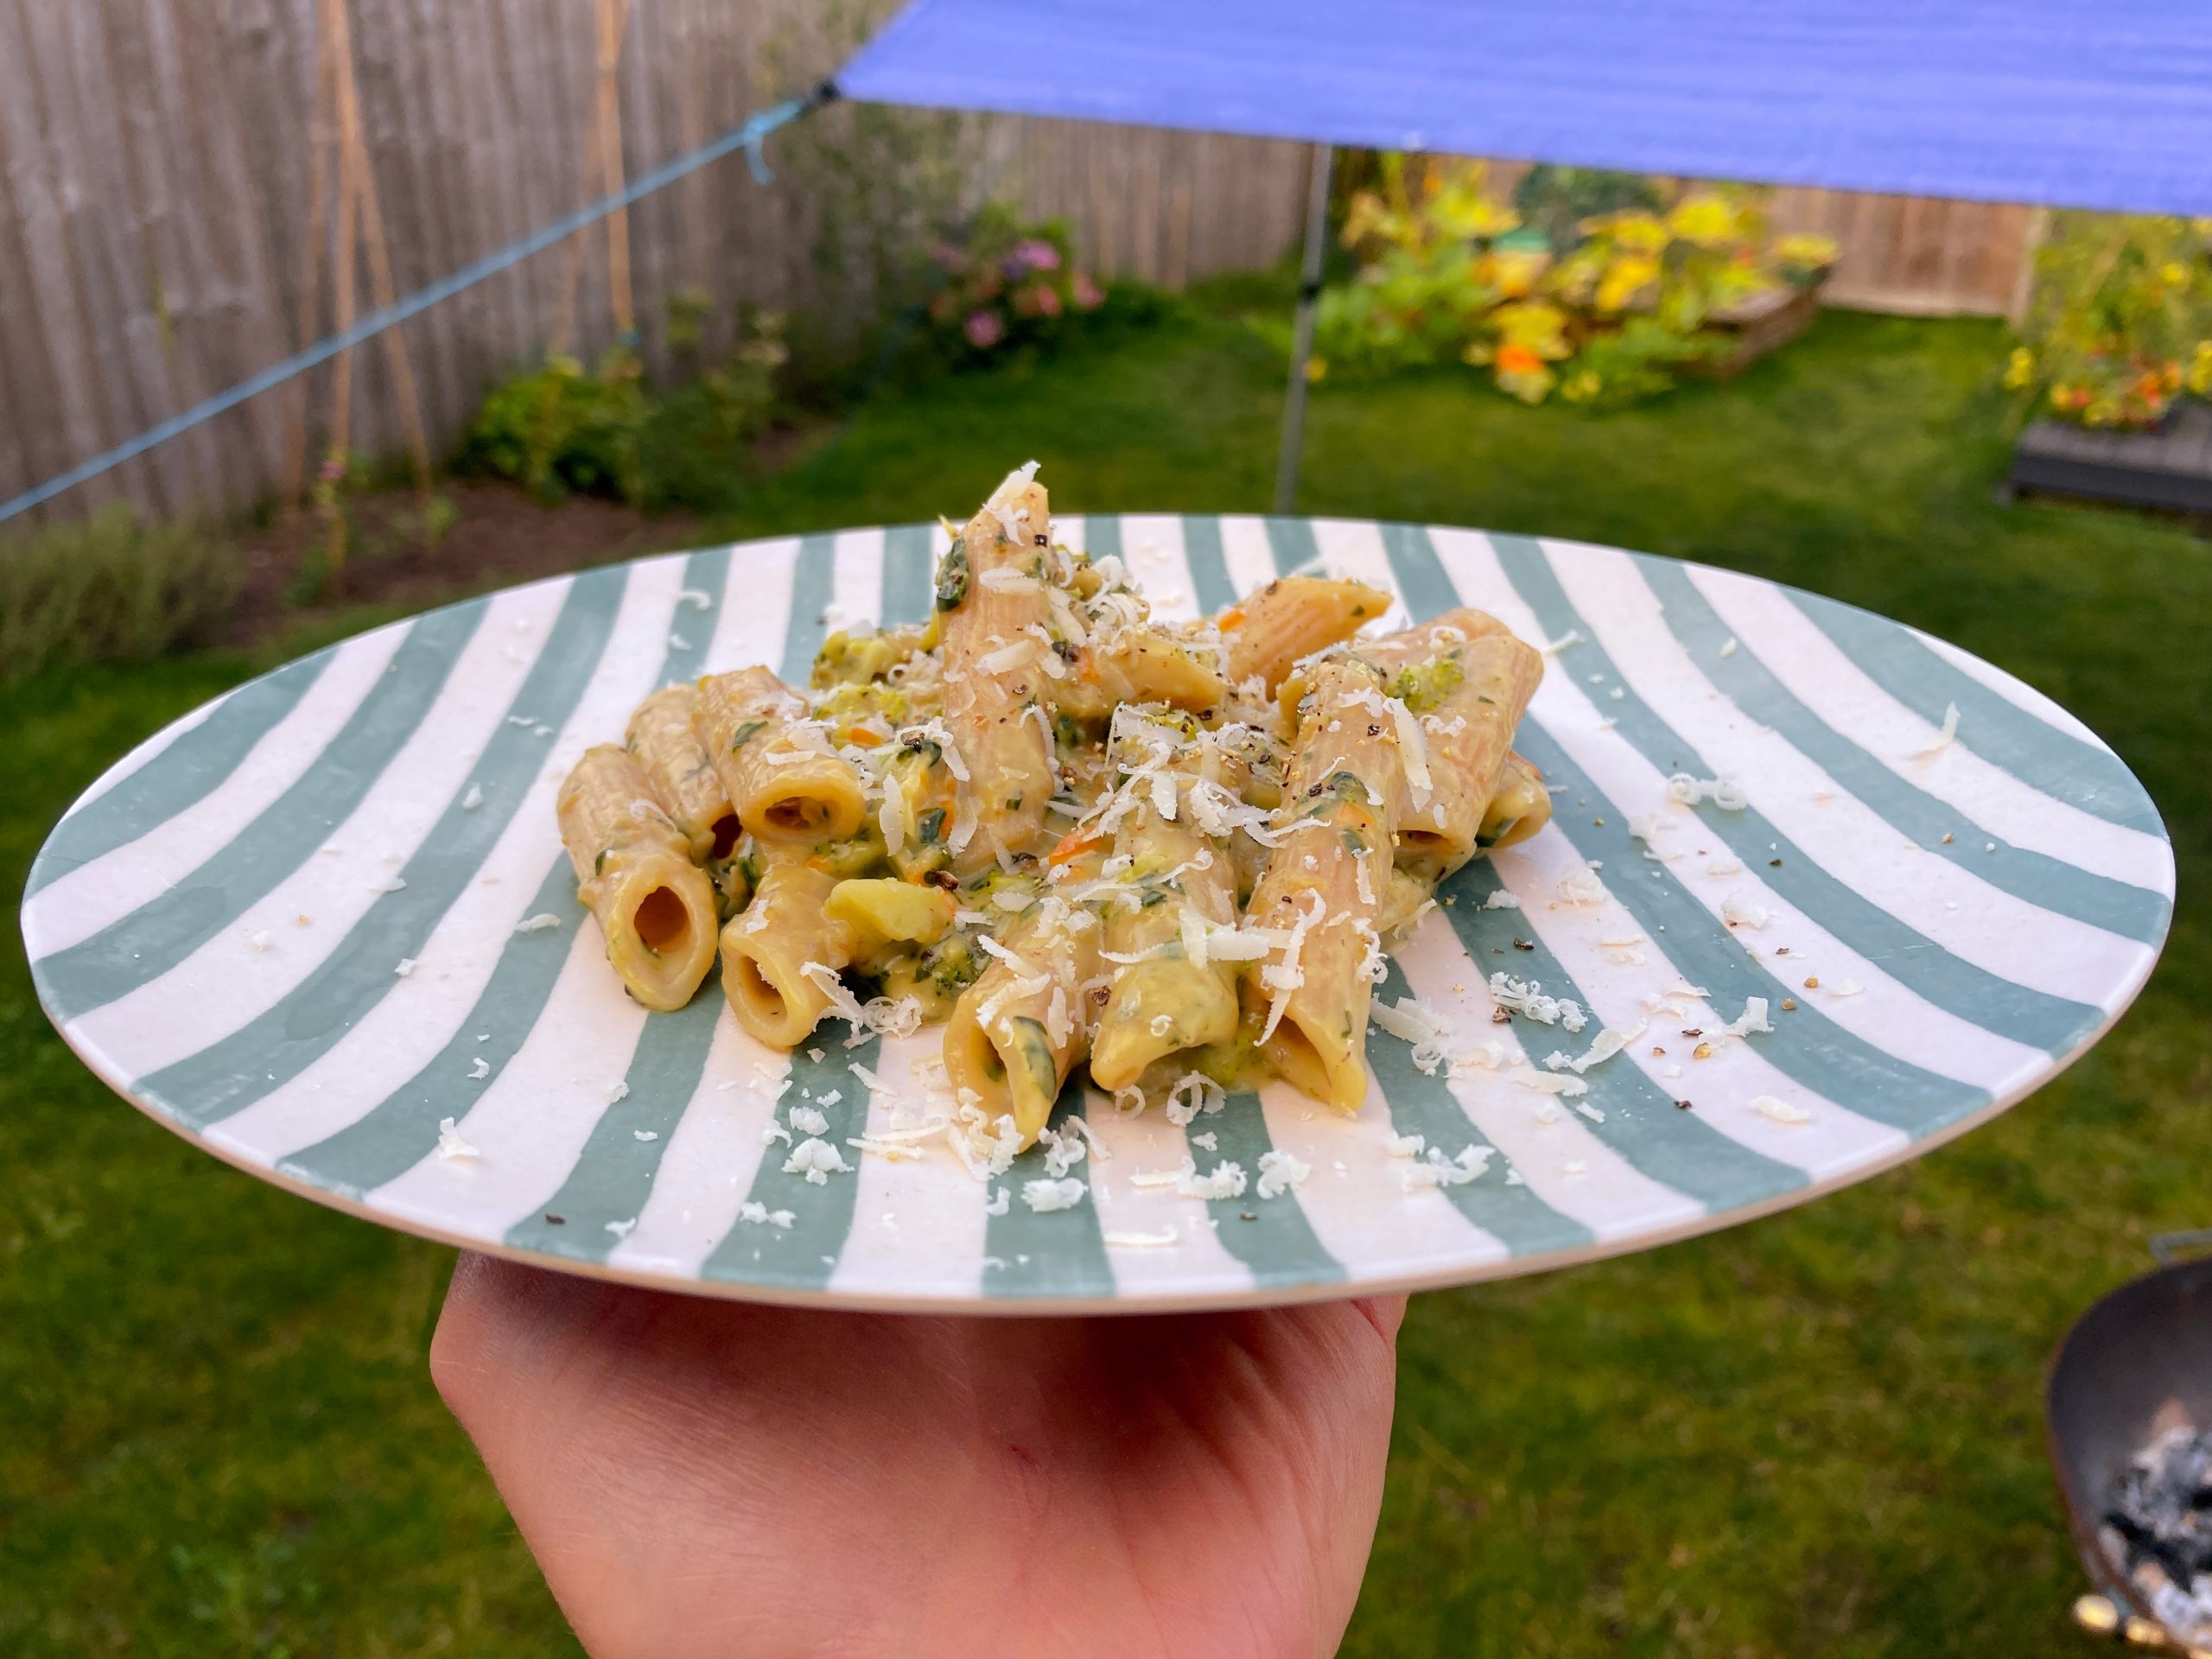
(1519, 807)
(655, 907)
(789, 788)
(1177, 997)
(991, 594)
(1020, 1029)
(684, 776)
(1292, 617)
(782, 955)
(1394, 654)
(1481, 690)
(1142, 663)
(1324, 884)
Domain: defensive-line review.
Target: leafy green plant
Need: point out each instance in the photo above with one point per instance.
(2120, 321)
(112, 588)
(1604, 298)
(1008, 284)
(560, 428)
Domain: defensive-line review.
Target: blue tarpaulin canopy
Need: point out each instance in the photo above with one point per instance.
(2102, 103)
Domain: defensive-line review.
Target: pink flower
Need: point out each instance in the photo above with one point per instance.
(983, 329)
(1037, 254)
(1048, 301)
(332, 470)
(1087, 293)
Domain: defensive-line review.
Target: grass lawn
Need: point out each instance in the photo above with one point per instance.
(1820, 1433)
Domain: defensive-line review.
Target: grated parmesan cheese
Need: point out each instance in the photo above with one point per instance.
(538, 922)
(450, 1145)
(1944, 734)
(1742, 912)
(1782, 1111)
(1280, 1171)
(817, 1160)
(1044, 1196)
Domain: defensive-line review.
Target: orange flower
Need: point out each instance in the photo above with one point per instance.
(1514, 358)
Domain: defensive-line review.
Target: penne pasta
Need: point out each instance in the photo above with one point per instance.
(654, 907)
(1292, 617)
(1322, 888)
(790, 789)
(1174, 995)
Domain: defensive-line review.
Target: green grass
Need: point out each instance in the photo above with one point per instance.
(1820, 1433)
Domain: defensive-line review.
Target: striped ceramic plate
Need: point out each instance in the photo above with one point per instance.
(289, 927)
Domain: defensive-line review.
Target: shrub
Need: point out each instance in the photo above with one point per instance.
(561, 429)
(558, 429)
(1007, 285)
(112, 588)
(2120, 321)
(1590, 283)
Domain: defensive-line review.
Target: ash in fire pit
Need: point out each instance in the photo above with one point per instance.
(2157, 1526)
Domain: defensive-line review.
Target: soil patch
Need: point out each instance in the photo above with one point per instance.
(498, 536)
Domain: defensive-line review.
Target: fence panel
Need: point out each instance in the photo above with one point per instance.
(166, 227)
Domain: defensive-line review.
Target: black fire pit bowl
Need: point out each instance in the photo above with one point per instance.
(2134, 1364)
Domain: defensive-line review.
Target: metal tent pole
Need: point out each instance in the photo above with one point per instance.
(1302, 350)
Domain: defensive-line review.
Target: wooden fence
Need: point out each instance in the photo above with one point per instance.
(172, 174)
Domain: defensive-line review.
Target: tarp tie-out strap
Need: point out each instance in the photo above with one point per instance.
(747, 137)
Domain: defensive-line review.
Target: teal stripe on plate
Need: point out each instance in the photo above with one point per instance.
(813, 586)
(1059, 1253)
(1424, 584)
(906, 575)
(1210, 588)
(1292, 543)
(706, 572)
(402, 1130)
(804, 1254)
(1420, 1104)
(1102, 536)
(2049, 883)
(185, 773)
(1999, 730)
(160, 933)
(1958, 987)
(1653, 1135)
(1272, 1237)
(614, 1174)
(310, 1018)
(1806, 1044)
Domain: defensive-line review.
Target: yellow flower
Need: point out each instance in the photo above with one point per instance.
(2062, 396)
(1317, 368)
(1540, 327)
(1625, 279)
(1514, 274)
(1703, 218)
(1805, 249)
(2021, 369)
(2200, 370)
(2172, 274)
(1634, 233)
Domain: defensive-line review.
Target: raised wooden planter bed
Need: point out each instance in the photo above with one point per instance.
(2170, 468)
(1761, 323)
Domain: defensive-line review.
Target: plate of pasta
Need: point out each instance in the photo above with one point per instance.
(1056, 913)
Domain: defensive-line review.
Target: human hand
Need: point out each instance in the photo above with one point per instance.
(699, 1478)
